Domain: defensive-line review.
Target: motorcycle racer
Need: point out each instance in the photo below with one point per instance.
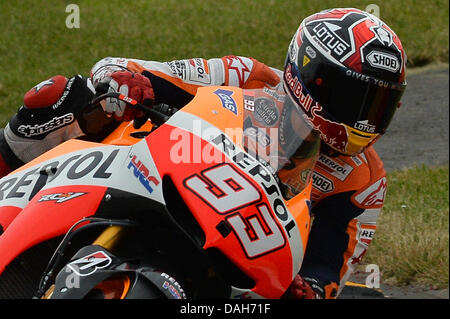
(344, 68)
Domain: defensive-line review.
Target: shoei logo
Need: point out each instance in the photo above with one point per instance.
(383, 60)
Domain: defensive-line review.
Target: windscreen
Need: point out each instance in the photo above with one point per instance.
(276, 132)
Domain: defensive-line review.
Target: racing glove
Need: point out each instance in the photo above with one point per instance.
(305, 288)
(129, 84)
(48, 117)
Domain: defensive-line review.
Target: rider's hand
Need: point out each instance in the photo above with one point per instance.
(133, 85)
(305, 288)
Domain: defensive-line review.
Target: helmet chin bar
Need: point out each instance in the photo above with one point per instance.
(358, 141)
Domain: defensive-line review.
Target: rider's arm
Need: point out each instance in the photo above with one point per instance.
(176, 82)
(8, 160)
(344, 223)
(50, 115)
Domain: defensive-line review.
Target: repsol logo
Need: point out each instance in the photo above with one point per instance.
(73, 168)
(261, 175)
(337, 170)
(384, 61)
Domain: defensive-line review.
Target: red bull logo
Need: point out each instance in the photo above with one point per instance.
(332, 133)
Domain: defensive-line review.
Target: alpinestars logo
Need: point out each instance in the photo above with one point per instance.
(38, 87)
(38, 129)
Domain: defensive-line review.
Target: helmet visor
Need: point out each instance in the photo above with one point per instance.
(360, 101)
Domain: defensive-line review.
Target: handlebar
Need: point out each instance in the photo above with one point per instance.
(156, 117)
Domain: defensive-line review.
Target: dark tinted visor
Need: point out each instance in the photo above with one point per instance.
(351, 97)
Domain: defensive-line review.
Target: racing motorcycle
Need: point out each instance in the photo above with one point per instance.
(190, 205)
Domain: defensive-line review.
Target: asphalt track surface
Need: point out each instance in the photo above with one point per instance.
(418, 134)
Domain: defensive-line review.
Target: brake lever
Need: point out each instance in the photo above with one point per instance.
(156, 117)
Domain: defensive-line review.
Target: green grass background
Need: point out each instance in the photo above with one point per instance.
(36, 44)
(411, 243)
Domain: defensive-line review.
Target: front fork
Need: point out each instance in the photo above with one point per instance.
(107, 239)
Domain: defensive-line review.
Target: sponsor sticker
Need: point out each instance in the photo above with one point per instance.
(365, 126)
(96, 164)
(227, 100)
(373, 195)
(322, 183)
(38, 129)
(266, 111)
(249, 102)
(89, 264)
(60, 197)
(327, 35)
(259, 135)
(48, 82)
(383, 60)
(306, 60)
(310, 52)
(142, 173)
(179, 68)
(198, 71)
(366, 234)
(338, 170)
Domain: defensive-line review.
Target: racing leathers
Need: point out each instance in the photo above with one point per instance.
(348, 191)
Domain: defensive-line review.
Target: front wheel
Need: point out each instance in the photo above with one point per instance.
(95, 273)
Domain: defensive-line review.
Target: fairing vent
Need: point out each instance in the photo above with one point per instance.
(228, 270)
(179, 211)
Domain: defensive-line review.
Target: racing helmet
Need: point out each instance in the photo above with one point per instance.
(345, 69)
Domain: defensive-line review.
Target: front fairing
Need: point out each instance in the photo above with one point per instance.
(54, 191)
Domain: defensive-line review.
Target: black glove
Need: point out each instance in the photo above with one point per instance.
(305, 288)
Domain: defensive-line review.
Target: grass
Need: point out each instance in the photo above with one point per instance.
(36, 43)
(411, 244)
